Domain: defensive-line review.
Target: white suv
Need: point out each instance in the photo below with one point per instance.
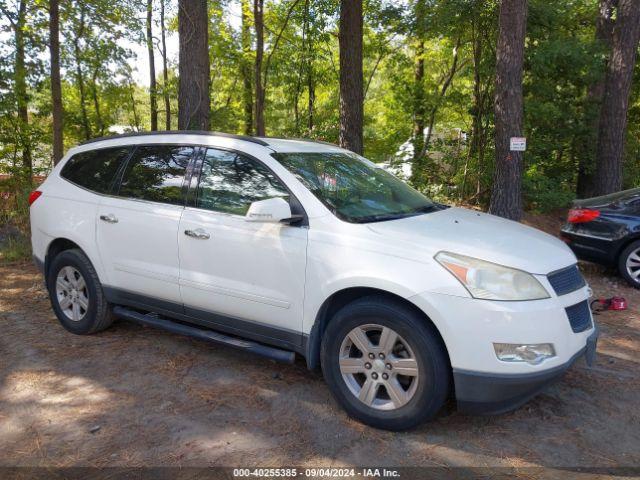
(284, 247)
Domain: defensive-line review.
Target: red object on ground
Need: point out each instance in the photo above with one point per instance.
(582, 215)
(617, 303)
(613, 303)
(33, 196)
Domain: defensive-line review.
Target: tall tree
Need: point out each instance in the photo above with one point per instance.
(245, 68)
(56, 88)
(506, 195)
(613, 112)
(419, 105)
(78, 34)
(165, 69)
(258, 19)
(595, 93)
(351, 81)
(18, 22)
(193, 87)
(153, 98)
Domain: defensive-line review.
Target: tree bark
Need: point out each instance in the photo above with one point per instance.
(86, 126)
(351, 80)
(153, 92)
(506, 195)
(56, 88)
(193, 87)
(20, 85)
(595, 93)
(258, 18)
(165, 70)
(615, 103)
(419, 107)
(96, 101)
(245, 67)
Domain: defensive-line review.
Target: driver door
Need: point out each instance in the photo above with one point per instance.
(240, 276)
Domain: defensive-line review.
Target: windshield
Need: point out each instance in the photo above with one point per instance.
(353, 188)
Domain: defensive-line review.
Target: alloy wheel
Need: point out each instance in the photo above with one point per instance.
(72, 293)
(633, 265)
(379, 367)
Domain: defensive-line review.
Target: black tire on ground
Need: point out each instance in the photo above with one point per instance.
(434, 377)
(622, 263)
(98, 315)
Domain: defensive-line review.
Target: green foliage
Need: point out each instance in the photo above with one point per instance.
(562, 59)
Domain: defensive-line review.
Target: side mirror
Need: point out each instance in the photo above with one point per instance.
(271, 210)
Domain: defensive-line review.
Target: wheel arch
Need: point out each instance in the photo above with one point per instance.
(343, 297)
(56, 247)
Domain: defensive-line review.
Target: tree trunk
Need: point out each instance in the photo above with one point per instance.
(245, 68)
(258, 18)
(153, 93)
(613, 113)
(86, 126)
(165, 70)
(351, 81)
(96, 102)
(506, 195)
(419, 107)
(20, 80)
(595, 92)
(56, 88)
(193, 87)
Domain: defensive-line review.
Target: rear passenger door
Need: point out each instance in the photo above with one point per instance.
(137, 227)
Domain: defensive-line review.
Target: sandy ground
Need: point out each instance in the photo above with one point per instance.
(134, 396)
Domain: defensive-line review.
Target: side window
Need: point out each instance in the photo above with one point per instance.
(230, 182)
(156, 173)
(95, 169)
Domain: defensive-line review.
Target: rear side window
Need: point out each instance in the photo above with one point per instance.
(96, 169)
(156, 173)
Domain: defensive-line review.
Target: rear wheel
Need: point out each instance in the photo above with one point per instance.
(384, 364)
(76, 294)
(629, 264)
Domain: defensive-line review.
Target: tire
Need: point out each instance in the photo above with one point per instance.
(417, 344)
(81, 307)
(629, 263)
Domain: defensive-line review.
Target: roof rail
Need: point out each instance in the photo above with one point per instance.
(310, 140)
(179, 132)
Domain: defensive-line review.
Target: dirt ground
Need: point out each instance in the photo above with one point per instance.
(135, 396)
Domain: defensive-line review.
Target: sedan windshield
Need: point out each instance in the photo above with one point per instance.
(353, 188)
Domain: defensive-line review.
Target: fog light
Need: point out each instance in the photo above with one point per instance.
(533, 354)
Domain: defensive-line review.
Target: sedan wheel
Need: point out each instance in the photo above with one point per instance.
(633, 264)
(379, 367)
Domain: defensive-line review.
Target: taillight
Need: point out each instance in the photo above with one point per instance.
(33, 196)
(582, 215)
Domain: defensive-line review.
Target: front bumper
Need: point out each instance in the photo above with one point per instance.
(481, 393)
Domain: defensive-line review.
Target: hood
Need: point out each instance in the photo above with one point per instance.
(480, 235)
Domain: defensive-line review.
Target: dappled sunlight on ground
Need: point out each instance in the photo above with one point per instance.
(134, 396)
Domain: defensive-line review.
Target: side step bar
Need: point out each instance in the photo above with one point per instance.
(277, 354)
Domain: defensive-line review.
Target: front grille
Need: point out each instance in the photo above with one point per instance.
(579, 316)
(566, 280)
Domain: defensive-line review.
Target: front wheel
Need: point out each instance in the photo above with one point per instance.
(76, 294)
(384, 364)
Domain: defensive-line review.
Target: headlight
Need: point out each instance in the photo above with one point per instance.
(491, 281)
(533, 354)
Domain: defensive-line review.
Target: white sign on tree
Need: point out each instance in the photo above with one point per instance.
(518, 144)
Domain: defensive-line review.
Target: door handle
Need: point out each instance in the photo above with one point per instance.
(198, 233)
(111, 218)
